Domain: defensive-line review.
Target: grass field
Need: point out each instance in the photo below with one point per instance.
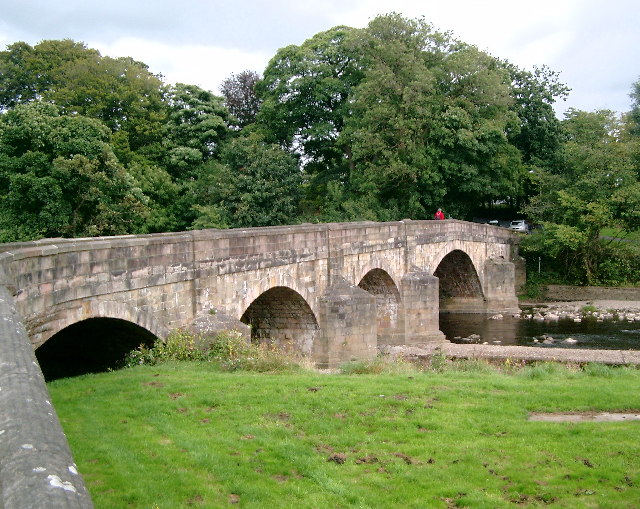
(184, 434)
(633, 237)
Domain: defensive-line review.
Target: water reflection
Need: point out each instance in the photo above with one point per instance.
(608, 335)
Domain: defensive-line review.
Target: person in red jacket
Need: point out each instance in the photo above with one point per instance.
(439, 214)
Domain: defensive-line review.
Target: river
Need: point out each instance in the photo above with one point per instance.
(607, 335)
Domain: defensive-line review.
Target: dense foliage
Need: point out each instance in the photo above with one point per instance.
(595, 187)
(386, 122)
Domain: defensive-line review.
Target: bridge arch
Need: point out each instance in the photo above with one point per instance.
(379, 283)
(283, 317)
(363, 267)
(460, 286)
(41, 329)
(90, 346)
(274, 279)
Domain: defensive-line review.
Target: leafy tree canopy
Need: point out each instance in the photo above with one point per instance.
(594, 188)
(196, 125)
(254, 184)
(59, 177)
(240, 98)
(396, 116)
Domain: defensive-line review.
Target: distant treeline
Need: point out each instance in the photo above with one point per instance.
(382, 123)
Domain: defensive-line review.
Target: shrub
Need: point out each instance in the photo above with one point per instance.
(179, 345)
(229, 350)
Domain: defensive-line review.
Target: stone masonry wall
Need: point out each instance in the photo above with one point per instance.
(163, 281)
(36, 466)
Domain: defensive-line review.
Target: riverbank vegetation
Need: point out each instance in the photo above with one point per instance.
(381, 123)
(375, 434)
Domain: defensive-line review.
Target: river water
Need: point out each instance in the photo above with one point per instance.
(606, 335)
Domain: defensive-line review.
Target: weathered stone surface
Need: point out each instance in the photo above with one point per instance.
(273, 277)
(208, 325)
(348, 325)
(36, 466)
(568, 293)
(421, 312)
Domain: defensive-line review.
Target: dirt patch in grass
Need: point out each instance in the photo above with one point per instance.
(584, 416)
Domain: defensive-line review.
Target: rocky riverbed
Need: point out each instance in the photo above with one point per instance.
(578, 310)
(546, 312)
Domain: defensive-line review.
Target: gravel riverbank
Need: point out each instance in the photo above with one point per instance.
(600, 309)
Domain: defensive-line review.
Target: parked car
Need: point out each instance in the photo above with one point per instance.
(520, 225)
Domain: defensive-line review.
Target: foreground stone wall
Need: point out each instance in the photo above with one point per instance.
(36, 466)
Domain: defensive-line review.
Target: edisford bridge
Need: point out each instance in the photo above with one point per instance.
(333, 291)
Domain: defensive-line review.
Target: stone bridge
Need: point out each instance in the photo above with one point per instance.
(334, 291)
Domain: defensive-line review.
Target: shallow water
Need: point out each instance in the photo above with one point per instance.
(606, 335)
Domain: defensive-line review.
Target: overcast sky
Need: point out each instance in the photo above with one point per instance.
(594, 44)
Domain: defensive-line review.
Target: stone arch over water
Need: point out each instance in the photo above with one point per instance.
(380, 284)
(460, 287)
(281, 316)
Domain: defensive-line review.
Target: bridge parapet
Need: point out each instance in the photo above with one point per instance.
(36, 466)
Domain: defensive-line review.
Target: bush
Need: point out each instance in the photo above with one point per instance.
(229, 350)
(620, 267)
(613, 264)
(178, 346)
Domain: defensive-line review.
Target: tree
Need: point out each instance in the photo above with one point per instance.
(634, 115)
(429, 121)
(120, 92)
(633, 126)
(254, 184)
(59, 177)
(27, 72)
(240, 98)
(595, 188)
(305, 93)
(539, 137)
(197, 123)
(394, 119)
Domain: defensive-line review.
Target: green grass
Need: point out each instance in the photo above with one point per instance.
(179, 435)
(617, 233)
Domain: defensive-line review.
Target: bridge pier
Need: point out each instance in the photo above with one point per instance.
(499, 284)
(420, 292)
(347, 319)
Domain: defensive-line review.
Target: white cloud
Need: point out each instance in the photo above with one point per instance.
(592, 43)
(205, 66)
